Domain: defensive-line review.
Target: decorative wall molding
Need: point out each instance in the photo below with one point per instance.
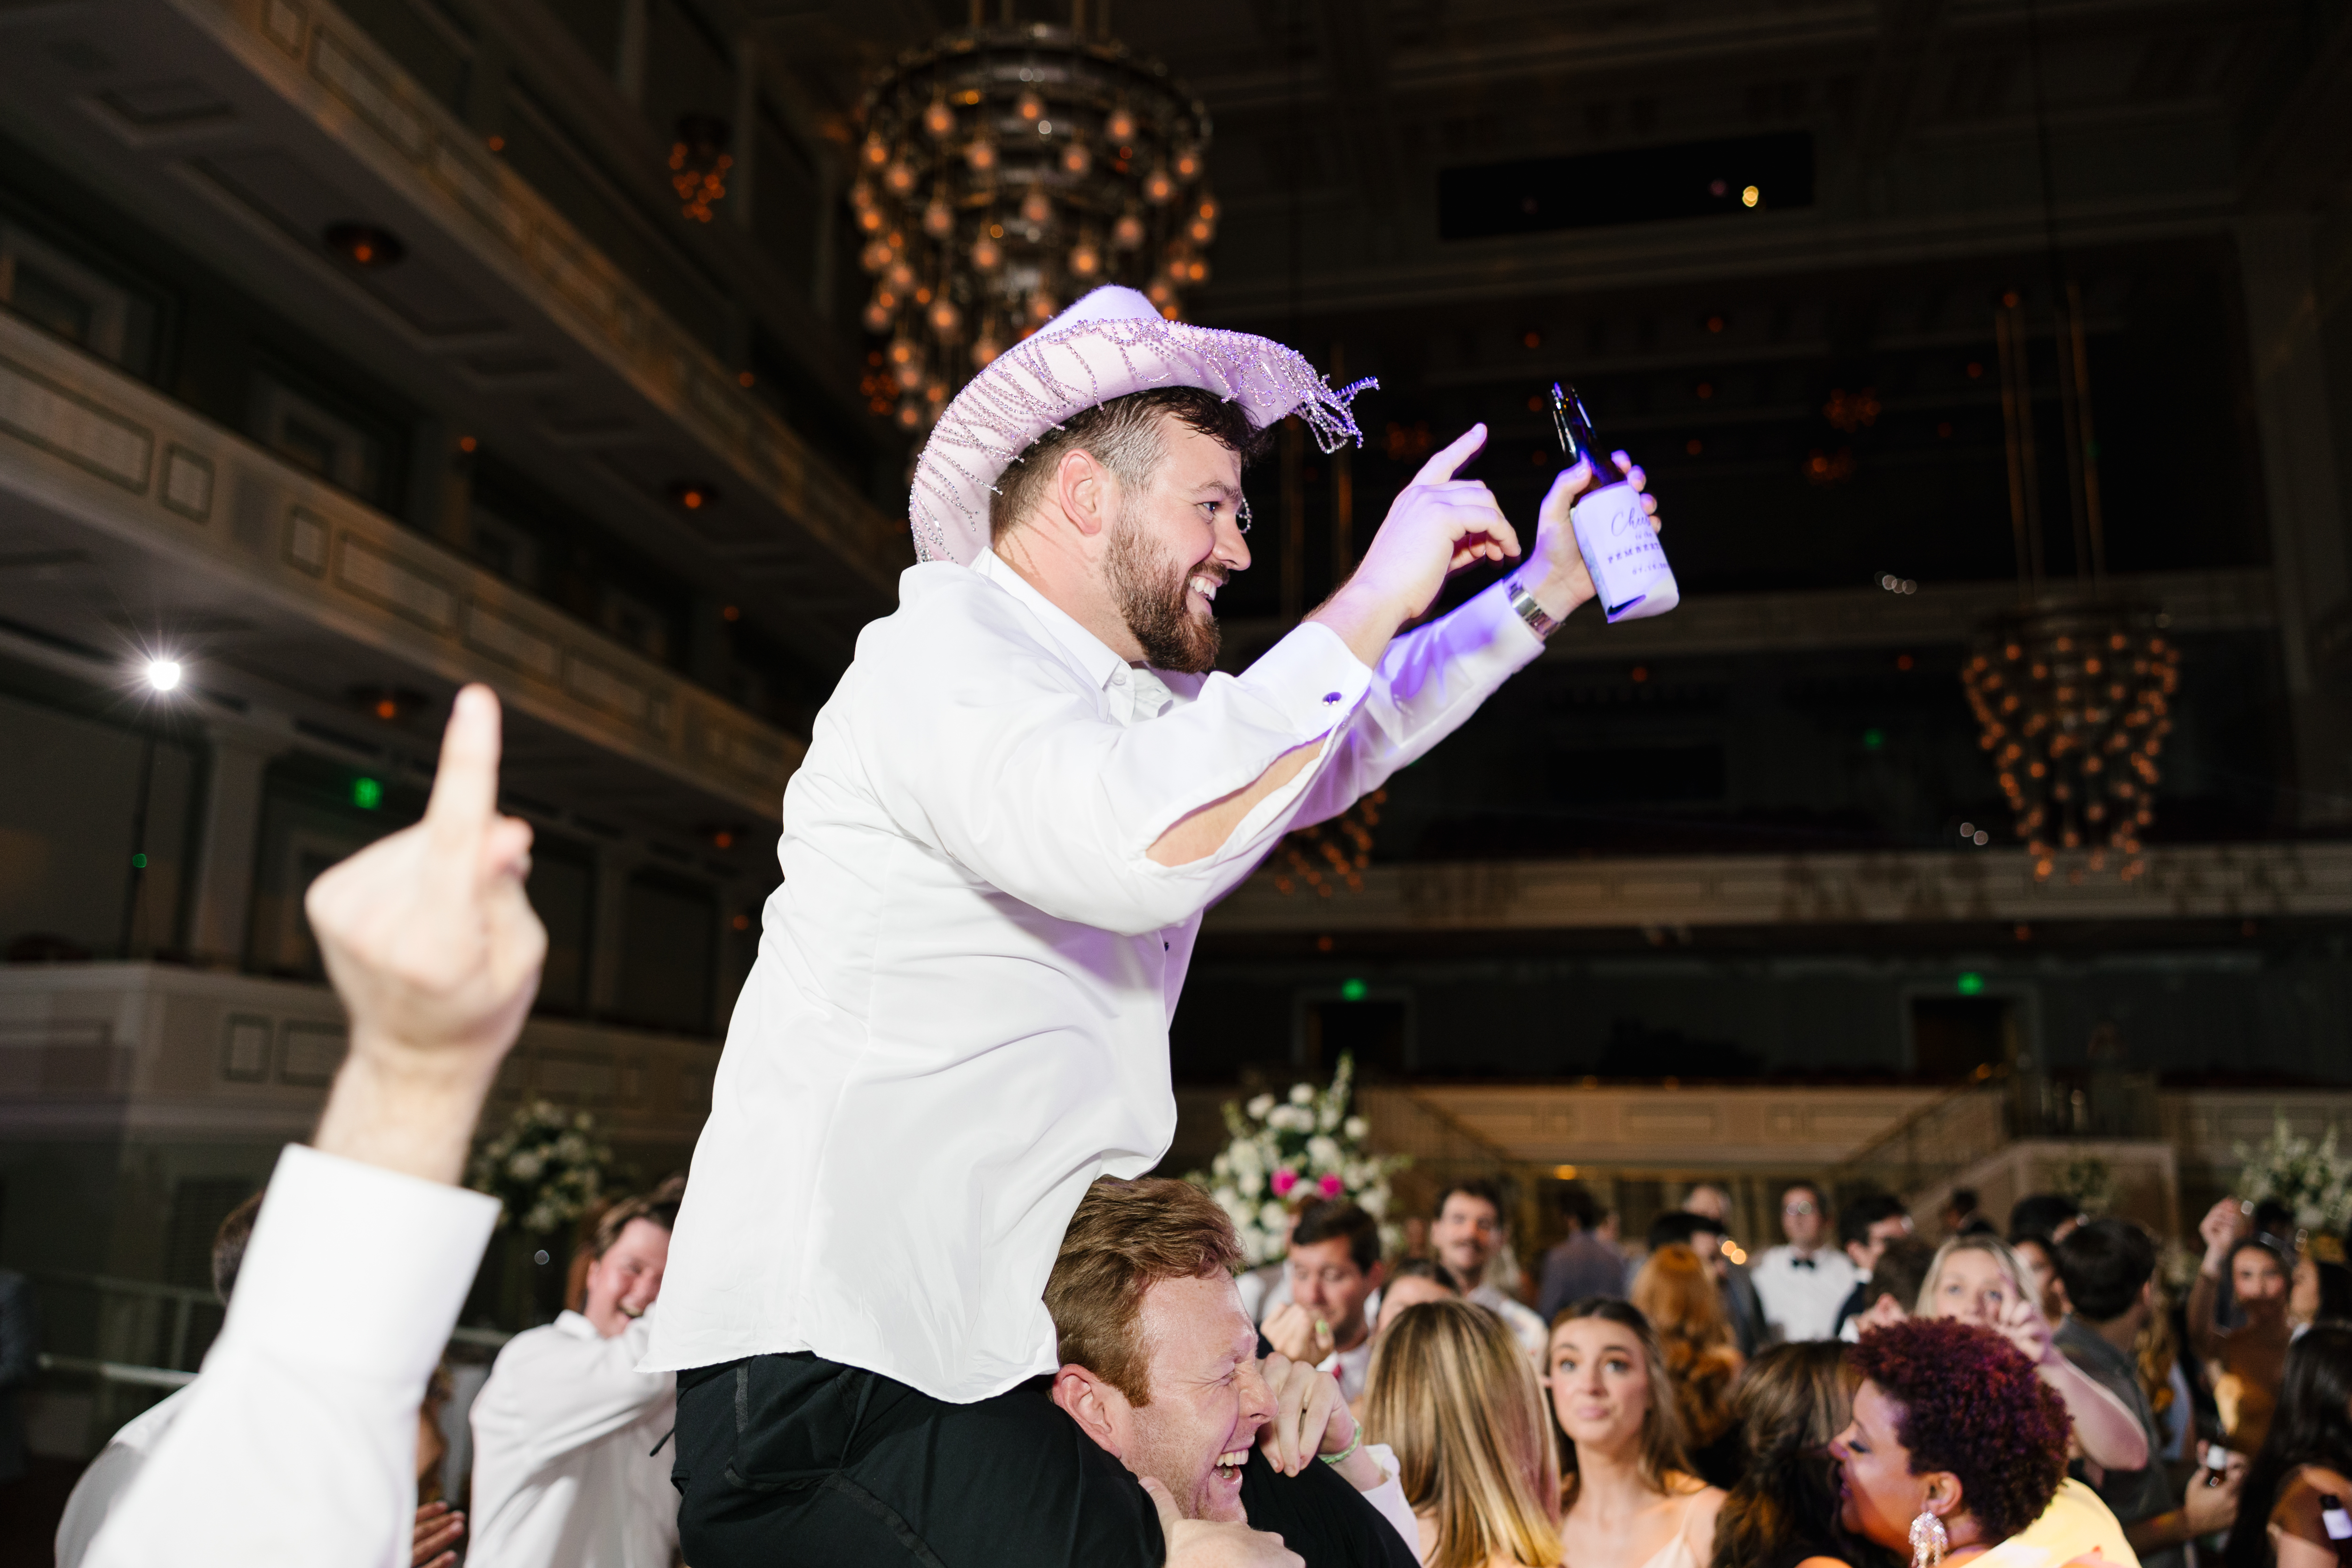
(79, 436)
(344, 83)
(2187, 881)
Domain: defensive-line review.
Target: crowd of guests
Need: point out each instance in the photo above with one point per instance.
(1858, 1394)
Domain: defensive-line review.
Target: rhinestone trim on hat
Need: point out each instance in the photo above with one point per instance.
(1038, 383)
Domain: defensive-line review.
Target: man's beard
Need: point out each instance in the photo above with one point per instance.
(1150, 592)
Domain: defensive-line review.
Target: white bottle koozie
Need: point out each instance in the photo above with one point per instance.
(1621, 552)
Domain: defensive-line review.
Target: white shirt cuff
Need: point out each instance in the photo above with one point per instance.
(1388, 1498)
(1312, 676)
(357, 1268)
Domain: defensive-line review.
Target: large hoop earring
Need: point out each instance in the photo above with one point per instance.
(1928, 1541)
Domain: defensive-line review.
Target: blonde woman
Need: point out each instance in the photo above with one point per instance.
(1451, 1393)
(1979, 1280)
(1630, 1500)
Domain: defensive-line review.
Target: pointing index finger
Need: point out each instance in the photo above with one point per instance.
(466, 785)
(1443, 463)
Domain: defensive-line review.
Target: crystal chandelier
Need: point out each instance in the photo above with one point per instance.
(2073, 704)
(1004, 171)
(1330, 854)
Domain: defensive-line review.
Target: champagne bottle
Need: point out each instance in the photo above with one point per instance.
(1620, 549)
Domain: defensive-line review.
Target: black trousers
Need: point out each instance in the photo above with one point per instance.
(784, 1460)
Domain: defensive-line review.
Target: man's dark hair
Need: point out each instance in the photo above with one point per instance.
(2104, 1264)
(1963, 1200)
(1578, 1204)
(1860, 1214)
(2272, 1217)
(1476, 1187)
(1902, 1270)
(1338, 1220)
(2037, 1216)
(1124, 436)
(1679, 1225)
(228, 1245)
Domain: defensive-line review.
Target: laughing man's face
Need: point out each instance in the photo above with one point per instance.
(1173, 544)
(1207, 1397)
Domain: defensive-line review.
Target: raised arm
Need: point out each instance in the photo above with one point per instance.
(298, 1442)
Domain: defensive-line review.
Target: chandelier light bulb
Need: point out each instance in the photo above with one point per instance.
(1042, 306)
(1084, 261)
(1207, 209)
(164, 674)
(877, 152)
(861, 196)
(986, 347)
(1188, 164)
(935, 393)
(876, 258)
(903, 351)
(981, 156)
(898, 178)
(870, 220)
(911, 415)
(1120, 126)
(1029, 106)
(877, 317)
(946, 320)
(901, 277)
(1127, 233)
(1076, 160)
(938, 219)
(940, 120)
(1159, 188)
(986, 254)
(1038, 207)
(1201, 231)
(1159, 293)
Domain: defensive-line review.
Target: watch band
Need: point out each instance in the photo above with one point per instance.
(1542, 624)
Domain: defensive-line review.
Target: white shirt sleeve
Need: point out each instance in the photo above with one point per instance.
(552, 1395)
(1388, 1496)
(1430, 680)
(990, 746)
(298, 1444)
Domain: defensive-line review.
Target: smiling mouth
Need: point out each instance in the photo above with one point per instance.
(1205, 586)
(1229, 1466)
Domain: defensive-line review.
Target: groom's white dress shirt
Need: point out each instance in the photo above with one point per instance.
(959, 1018)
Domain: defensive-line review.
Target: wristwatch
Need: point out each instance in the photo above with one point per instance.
(1539, 622)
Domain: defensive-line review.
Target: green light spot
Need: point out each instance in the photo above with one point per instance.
(139, 862)
(1873, 740)
(367, 794)
(1353, 990)
(1971, 983)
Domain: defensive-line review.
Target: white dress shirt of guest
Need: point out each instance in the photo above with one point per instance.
(1467, 1236)
(565, 1471)
(1335, 1274)
(1804, 1283)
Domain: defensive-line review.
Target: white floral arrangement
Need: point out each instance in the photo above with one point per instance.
(547, 1169)
(2310, 1178)
(1302, 1144)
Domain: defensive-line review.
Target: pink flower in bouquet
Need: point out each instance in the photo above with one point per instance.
(1330, 1186)
(1284, 1180)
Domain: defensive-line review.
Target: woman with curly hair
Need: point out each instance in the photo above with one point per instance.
(1630, 1498)
(1957, 1449)
(1685, 1307)
(1980, 1279)
(2305, 1462)
(1791, 1401)
(1450, 1391)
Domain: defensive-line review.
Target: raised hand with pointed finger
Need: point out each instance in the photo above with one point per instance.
(435, 951)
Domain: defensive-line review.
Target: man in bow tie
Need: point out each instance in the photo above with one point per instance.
(1803, 1284)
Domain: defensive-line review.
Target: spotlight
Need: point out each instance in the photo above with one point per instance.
(164, 674)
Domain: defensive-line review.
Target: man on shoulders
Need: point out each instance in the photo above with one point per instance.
(1803, 1283)
(1589, 1262)
(1335, 1291)
(565, 1472)
(1466, 1235)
